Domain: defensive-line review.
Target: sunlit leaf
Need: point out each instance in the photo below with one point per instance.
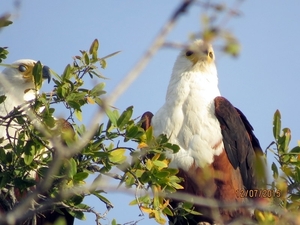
(232, 48)
(80, 176)
(78, 215)
(67, 73)
(142, 145)
(60, 221)
(168, 211)
(113, 222)
(94, 48)
(117, 156)
(132, 131)
(103, 199)
(276, 124)
(161, 164)
(173, 147)
(125, 117)
(287, 139)
(162, 174)
(97, 90)
(86, 58)
(78, 114)
(102, 63)
(112, 116)
(37, 75)
(29, 151)
(143, 199)
(73, 167)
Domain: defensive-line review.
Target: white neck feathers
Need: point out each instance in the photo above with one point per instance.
(187, 117)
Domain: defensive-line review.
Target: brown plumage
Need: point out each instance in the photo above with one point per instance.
(232, 170)
(218, 149)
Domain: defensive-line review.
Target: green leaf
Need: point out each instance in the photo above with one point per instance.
(60, 221)
(3, 53)
(37, 75)
(73, 167)
(102, 63)
(94, 48)
(102, 198)
(117, 156)
(276, 124)
(287, 134)
(82, 206)
(193, 212)
(295, 150)
(113, 222)
(80, 176)
(233, 48)
(97, 90)
(275, 170)
(187, 205)
(162, 139)
(29, 151)
(162, 174)
(125, 117)
(112, 115)
(172, 171)
(73, 104)
(67, 73)
(143, 199)
(77, 215)
(86, 58)
(4, 20)
(168, 211)
(149, 134)
(173, 147)
(160, 164)
(132, 131)
(2, 98)
(78, 114)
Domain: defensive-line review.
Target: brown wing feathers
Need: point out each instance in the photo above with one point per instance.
(239, 140)
(240, 146)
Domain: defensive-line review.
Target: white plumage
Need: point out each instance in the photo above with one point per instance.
(17, 84)
(187, 117)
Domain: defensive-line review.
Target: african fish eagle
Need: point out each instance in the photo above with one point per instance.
(17, 84)
(217, 144)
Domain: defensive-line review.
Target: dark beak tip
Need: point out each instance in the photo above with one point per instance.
(46, 73)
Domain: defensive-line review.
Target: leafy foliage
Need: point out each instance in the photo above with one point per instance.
(286, 176)
(28, 156)
(4, 20)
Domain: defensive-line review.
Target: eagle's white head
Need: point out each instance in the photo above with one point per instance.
(16, 81)
(194, 72)
(197, 57)
(17, 84)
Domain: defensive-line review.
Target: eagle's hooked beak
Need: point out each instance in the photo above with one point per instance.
(46, 73)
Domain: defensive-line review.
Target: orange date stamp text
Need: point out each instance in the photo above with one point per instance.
(258, 193)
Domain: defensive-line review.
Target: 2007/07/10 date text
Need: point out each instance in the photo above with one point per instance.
(258, 193)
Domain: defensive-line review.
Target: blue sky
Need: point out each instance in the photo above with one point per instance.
(265, 76)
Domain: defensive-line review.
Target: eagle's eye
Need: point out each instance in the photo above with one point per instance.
(189, 53)
(22, 68)
(211, 55)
